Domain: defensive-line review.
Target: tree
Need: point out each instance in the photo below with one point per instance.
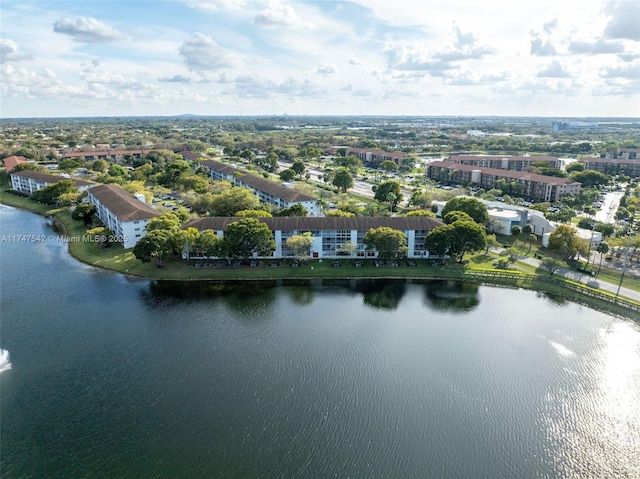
(50, 194)
(590, 178)
(456, 215)
(174, 173)
(492, 242)
(166, 221)
(428, 213)
(527, 230)
(300, 245)
(298, 167)
(390, 191)
(456, 239)
(294, 210)
(100, 166)
(516, 230)
(603, 249)
(606, 229)
(101, 235)
(68, 164)
(84, 212)
(575, 166)
(186, 240)
(551, 265)
(473, 207)
(420, 199)
(343, 179)
(207, 243)
(387, 241)
(245, 237)
(253, 214)
(565, 241)
(233, 200)
(388, 166)
(155, 244)
(287, 175)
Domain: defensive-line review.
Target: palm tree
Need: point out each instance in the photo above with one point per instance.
(528, 231)
(602, 248)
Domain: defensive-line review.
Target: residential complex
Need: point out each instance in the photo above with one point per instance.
(333, 237)
(506, 162)
(109, 155)
(267, 191)
(629, 166)
(529, 185)
(28, 181)
(121, 212)
(367, 155)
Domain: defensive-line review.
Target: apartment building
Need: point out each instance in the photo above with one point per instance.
(614, 166)
(267, 191)
(528, 185)
(506, 162)
(333, 237)
(28, 181)
(124, 214)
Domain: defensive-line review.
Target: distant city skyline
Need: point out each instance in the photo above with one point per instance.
(360, 57)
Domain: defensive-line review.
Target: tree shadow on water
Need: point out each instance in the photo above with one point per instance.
(453, 296)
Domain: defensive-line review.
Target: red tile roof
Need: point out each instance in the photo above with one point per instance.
(122, 204)
(550, 180)
(10, 162)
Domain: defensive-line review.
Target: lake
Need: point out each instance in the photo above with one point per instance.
(118, 377)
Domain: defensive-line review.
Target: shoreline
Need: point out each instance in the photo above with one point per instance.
(578, 293)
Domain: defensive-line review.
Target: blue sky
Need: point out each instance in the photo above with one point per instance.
(322, 57)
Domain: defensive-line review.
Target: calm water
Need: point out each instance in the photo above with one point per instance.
(112, 377)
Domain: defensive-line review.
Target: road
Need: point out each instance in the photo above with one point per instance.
(586, 279)
(609, 207)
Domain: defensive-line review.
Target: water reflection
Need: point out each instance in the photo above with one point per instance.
(382, 294)
(451, 296)
(241, 296)
(247, 296)
(557, 299)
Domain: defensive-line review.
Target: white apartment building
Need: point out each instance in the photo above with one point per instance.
(333, 237)
(121, 212)
(28, 181)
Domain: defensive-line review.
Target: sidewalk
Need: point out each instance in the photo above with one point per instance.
(586, 279)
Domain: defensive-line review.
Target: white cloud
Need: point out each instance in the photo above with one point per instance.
(629, 72)
(326, 69)
(408, 57)
(202, 54)
(20, 82)
(542, 48)
(597, 47)
(215, 5)
(554, 70)
(176, 79)
(624, 18)
(471, 78)
(87, 30)
(256, 87)
(355, 61)
(277, 14)
(10, 52)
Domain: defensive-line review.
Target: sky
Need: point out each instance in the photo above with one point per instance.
(552, 58)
